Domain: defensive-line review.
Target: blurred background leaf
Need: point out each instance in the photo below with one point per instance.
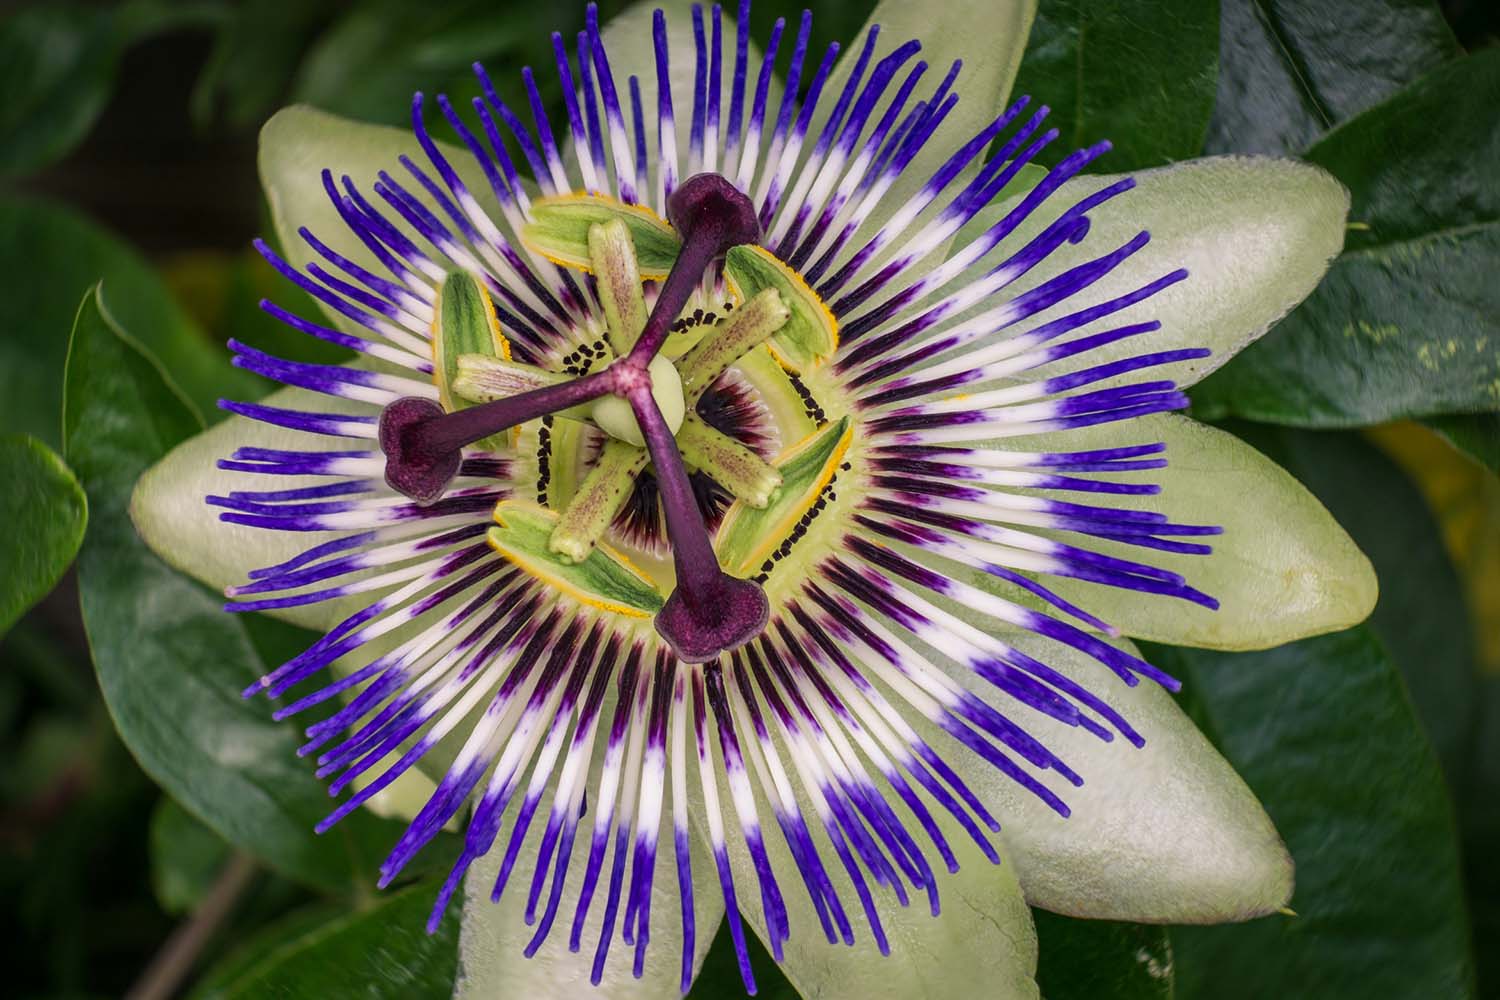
(372, 58)
(1289, 70)
(1323, 732)
(1083, 959)
(44, 512)
(1137, 72)
(1407, 321)
(186, 857)
(57, 64)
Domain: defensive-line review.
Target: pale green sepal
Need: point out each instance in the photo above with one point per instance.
(599, 498)
(809, 335)
(981, 944)
(747, 476)
(1164, 833)
(169, 511)
(1282, 570)
(492, 963)
(559, 230)
(989, 36)
(299, 142)
(612, 257)
(1255, 235)
(749, 536)
(731, 339)
(605, 579)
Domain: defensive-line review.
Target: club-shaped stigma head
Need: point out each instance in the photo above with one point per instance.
(412, 466)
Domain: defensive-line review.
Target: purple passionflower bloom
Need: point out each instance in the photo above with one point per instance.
(726, 457)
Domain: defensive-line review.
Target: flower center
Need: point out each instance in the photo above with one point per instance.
(708, 611)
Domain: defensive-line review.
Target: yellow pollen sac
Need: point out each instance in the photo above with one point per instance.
(604, 579)
(559, 231)
(749, 537)
(810, 335)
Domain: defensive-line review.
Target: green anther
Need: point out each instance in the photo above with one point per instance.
(612, 252)
(599, 498)
(464, 324)
(810, 335)
(481, 378)
(742, 472)
(736, 335)
(614, 415)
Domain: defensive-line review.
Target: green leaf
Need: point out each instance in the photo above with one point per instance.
(44, 510)
(1089, 959)
(170, 662)
(1475, 434)
(1254, 234)
(1283, 569)
(1290, 70)
(185, 856)
(57, 67)
(371, 60)
(52, 254)
(1407, 322)
(379, 952)
(1421, 615)
(1322, 730)
(1139, 73)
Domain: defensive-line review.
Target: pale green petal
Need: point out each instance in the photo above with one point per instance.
(1282, 570)
(1255, 235)
(299, 142)
(981, 944)
(989, 36)
(169, 511)
(493, 967)
(1166, 833)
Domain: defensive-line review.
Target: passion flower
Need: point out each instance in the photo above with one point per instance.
(748, 477)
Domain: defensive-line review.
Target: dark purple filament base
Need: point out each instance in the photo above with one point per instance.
(710, 611)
